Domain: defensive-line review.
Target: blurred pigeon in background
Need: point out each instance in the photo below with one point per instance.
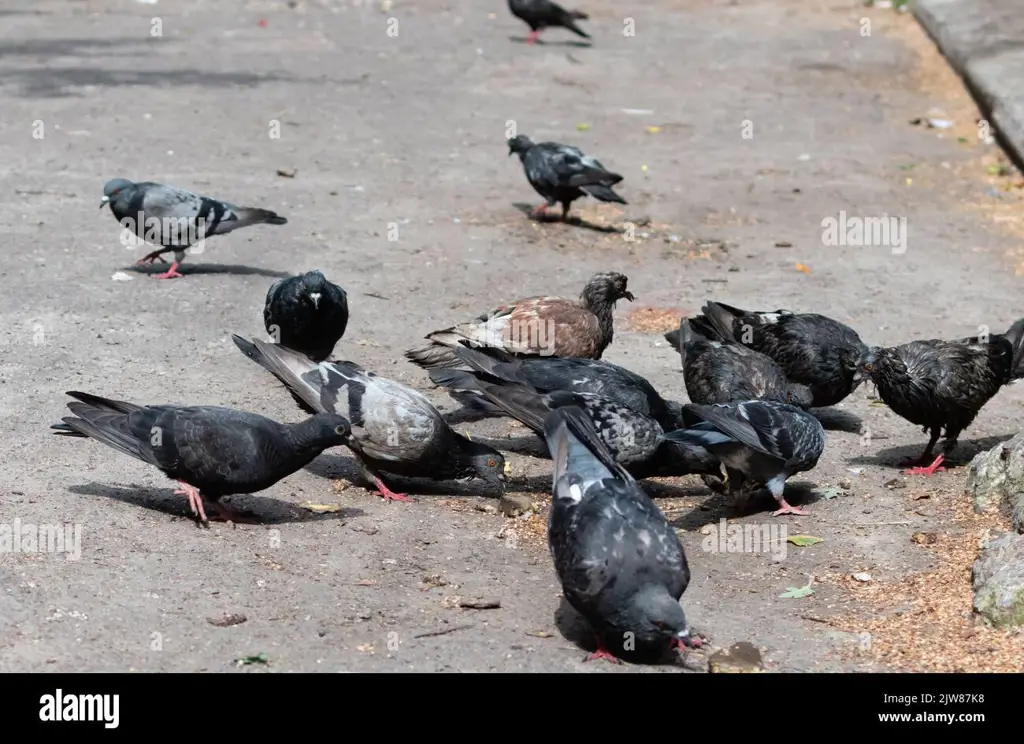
(541, 14)
(561, 173)
(619, 561)
(306, 313)
(175, 218)
(211, 451)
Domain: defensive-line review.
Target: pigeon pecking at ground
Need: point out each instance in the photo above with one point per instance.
(541, 14)
(619, 561)
(636, 441)
(726, 371)
(211, 451)
(550, 374)
(306, 313)
(943, 384)
(563, 174)
(176, 219)
(536, 326)
(812, 350)
(760, 443)
(395, 429)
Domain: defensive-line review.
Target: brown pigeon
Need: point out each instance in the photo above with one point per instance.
(535, 326)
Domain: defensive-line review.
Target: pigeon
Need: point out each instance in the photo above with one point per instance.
(561, 173)
(536, 326)
(812, 350)
(395, 429)
(620, 563)
(636, 441)
(175, 219)
(726, 371)
(211, 451)
(541, 14)
(759, 442)
(306, 313)
(549, 374)
(943, 384)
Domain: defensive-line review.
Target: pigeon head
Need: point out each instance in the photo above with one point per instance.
(485, 462)
(314, 285)
(655, 615)
(112, 190)
(605, 289)
(519, 145)
(867, 366)
(332, 428)
(799, 395)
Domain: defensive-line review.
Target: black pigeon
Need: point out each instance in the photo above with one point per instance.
(619, 561)
(636, 441)
(306, 313)
(812, 350)
(726, 371)
(941, 385)
(395, 429)
(760, 443)
(561, 173)
(211, 451)
(176, 219)
(541, 14)
(550, 374)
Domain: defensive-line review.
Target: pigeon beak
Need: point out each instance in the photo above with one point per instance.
(629, 296)
(507, 473)
(315, 296)
(103, 201)
(689, 640)
(859, 377)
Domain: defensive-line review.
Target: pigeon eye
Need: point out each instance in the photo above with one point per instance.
(492, 463)
(339, 430)
(869, 367)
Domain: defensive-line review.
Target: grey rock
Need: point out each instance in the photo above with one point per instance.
(739, 658)
(995, 480)
(998, 579)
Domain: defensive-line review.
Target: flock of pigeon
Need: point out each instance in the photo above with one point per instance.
(751, 378)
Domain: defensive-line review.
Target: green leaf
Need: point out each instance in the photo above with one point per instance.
(831, 492)
(803, 541)
(582, 127)
(796, 592)
(908, 166)
(260, 658)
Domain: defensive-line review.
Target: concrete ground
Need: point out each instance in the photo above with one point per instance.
(768, 117)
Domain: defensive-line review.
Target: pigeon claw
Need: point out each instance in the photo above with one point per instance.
(195, 501)
(787, 509)
(388, 494)
(171, 273)
(532, 38)
(932, 469)
(602, 653)
(541, 211)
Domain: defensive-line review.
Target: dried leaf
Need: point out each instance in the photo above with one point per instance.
(320, 508)
(653, 130)
(226, 621)
(804, 269)
(831, 492)
(582, 127)
(803, 541)
(797, 592)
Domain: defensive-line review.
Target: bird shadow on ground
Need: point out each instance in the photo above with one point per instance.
(836, 420)
(759, 505)
(574, 628)
(965, 451)
(197, 269)
(527, 209)
(561, 43)
(263, 509)
(336, 467)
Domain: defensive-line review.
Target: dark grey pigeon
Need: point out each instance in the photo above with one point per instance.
(544, 325)
(541, 14)
(176, 219)
(211, 451)
(550, 374)
(636, 441)
(761, 443)
(619, 561)
(813, 350)
(561, 173)
(395, 429)
(306, 313)
(941, 385)
(726, 371)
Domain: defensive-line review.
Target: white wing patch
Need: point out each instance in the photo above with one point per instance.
(575, 492)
